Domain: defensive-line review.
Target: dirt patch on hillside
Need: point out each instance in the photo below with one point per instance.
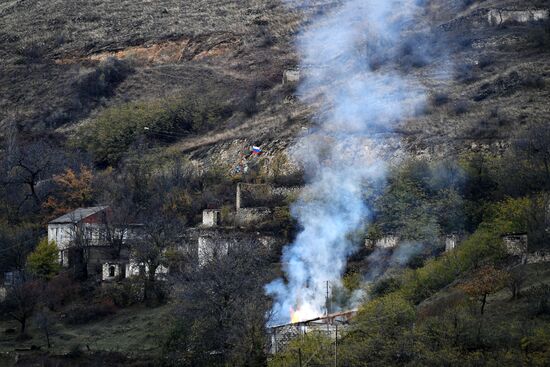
(166, 52)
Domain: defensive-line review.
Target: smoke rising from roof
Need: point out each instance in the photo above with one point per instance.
(346, 59)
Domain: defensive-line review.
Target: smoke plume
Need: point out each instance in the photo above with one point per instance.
(352, 65)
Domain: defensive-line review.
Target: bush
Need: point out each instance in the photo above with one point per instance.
(538, 298)
(60, 290)
(80, 313)
(43, 261)
(415, 52)
(485, 61)
(461, 107)
(157, 293)
(465, 4)
(466, 73)
(533, 81)
(117, 128)
(539, 34)
(123, 294)
(32, 52)
(385, 286)
(440, 98)
(484, 246)
(104, 79)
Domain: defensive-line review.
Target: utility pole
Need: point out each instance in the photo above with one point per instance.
(336, 347)
(327, 302)
(300, 357)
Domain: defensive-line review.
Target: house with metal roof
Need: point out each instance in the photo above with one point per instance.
(84, 238)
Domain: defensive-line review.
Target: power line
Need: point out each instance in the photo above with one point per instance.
(165, 132)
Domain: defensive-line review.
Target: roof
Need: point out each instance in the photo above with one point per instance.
(79, 214)
(337, 317)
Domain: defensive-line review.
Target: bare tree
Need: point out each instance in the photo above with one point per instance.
(157, 235)
(515, 280)
(45, 322)
(79, 248)
(222, 310)
(23, 297)
(127, 195)
(33, 164)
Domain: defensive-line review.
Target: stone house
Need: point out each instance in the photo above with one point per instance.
(254, 205)
(516, 244)
(82, 238)
(332, 326)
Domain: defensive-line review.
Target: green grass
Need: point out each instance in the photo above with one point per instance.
(131, 331)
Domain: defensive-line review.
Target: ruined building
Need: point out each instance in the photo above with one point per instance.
(254, 205)
(332, 326)
(88, 243)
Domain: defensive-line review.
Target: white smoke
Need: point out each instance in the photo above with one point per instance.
(341, 56)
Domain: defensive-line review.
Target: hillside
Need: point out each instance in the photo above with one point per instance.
(189, 183)
(497, 82)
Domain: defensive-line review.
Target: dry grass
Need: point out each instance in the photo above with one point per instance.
(241, 46)
(134, 330)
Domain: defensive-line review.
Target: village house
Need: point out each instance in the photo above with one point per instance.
(331, 326)
(87, 241)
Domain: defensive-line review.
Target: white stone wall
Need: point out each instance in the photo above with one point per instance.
(385, 242)
(538, 257)
(134, 269)
(61, 234)
(291, 76)
(211, 217)
(451, 241)
(515, 244)
(106, 271)
(498, 17)
(64, 234)
(210, 247)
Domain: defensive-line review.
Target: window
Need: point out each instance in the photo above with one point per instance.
(111, 271)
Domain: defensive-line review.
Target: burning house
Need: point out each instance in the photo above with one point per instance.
(332, 326)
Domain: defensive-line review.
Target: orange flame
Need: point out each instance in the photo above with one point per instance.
(295, 316)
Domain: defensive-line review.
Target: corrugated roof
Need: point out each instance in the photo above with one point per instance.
(77, 215)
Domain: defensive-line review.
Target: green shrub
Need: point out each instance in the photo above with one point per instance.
(483, 246)
(123, 294)
(385, 286)
(43, 261)
(102, 81)
(116, 129)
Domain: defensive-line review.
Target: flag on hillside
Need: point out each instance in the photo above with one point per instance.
(256, 150)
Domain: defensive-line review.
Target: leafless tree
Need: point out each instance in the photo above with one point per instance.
(156, 236)
(79, 248)
(22, 299)
(29, 167)
(516, 278)
(45, 322)
(15, 244)
(222, 310)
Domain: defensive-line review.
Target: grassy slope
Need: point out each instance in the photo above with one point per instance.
(35, 94)
(500, 311)
(131, 331)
